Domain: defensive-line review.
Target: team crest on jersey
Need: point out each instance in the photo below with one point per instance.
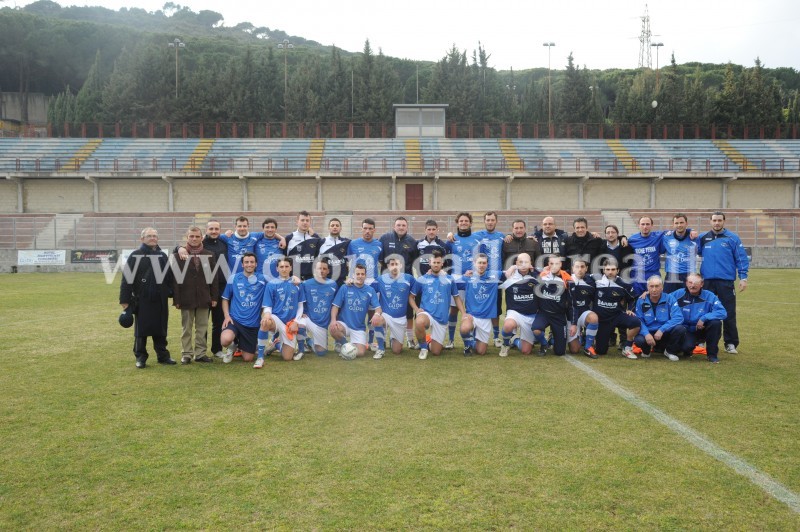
(600, 294)
(583, 292)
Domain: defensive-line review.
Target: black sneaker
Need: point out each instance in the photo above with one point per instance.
(167, 362)
(186, 359)
(542, 350)
(141, 363)
(205, 359)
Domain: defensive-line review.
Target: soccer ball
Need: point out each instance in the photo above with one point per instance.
(349, 351)
(654, 104)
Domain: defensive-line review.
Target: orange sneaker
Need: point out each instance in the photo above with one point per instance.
(237, 353)
(700, 350)
(636, 350)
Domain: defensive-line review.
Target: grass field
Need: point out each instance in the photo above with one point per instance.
(90, 442)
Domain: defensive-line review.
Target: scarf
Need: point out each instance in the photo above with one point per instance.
(195, 253)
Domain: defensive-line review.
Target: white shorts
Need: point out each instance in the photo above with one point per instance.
(581, 325)
(319, 335)
(355, 336)
(482, 328)
(396, 327)
(525, 323)
(438, 330)
(281, 327)
(461, 294)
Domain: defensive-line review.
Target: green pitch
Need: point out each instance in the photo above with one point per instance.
(90, 442)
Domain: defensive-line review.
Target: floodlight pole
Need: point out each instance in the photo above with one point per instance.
(177, 44)
(549, 88)
(657, 45)
(285, 45)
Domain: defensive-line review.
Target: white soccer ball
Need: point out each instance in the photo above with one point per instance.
(349, 351)
(654, 104)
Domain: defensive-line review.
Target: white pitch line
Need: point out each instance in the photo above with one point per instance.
(771, 486)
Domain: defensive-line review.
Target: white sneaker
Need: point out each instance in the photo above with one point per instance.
(498, 342)
(411, 344)
(379, 354)
(449, 345)
(272, 347)
(219, 354)
(259, 363)
(227, 355)
(511, 342)
(627, 352)
(423, 354)
(337, 348)
(504, 351)
(670, 356)
(298, 355)
(730, 348)
(373, 346)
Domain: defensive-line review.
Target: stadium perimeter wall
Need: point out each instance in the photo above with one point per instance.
(151, 193)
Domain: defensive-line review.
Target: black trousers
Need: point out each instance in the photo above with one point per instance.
(217, 317)
(674, 282)
(558, 326)
(710, 334)
(159, 344)
(623, 321)
(671, 341)
(726, 292)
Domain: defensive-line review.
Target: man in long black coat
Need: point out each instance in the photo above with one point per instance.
(146, 284)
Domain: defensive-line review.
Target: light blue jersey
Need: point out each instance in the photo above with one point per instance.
(317, 299)
(283, 296)
(394, 293)
(492, 244)
(480, 295)
(461, 252)
(353, 303)
(245, 295)
(681, 253)
(267, 252)
(237, 247)
(366, 253)
(436, 291)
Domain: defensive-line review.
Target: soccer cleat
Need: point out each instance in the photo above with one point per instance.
(637, 350)
(700, 350)
(259, 363)
(590, 352)
(237, 353)
(467, 351)
(730, 348)
(498, 342)
(379, 354)
(670, 356)
(423, 354)
(449, 345)
(542, 350)
(227, 355)
(186, 359)
(298, 355)
(504, 351)
(627, 352)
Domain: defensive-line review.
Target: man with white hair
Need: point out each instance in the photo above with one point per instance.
(661, 321)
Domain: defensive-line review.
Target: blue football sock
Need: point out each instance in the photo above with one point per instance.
(518, 343)
(380, 337)
(423, 344)
(591, 332)
(263, 341)
(540, 338)
(496, 330)
(371, 334)
(451, 330)
(507, 337)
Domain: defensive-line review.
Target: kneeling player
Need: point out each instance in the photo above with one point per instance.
(480, 300)
(394, 287)
(354, 301)
(611, 303)
(582, 289)
(317, 295)
(703, 314)
(552, 296)
(521, 307)
(436, 289)
(282, 309)
(661, 321)
(240, 305)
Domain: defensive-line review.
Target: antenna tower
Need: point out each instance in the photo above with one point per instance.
(645, 59)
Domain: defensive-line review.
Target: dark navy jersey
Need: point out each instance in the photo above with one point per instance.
(424, 250)
(612, 298)
(521, 293)
(582, 293)
(336, 252)
(405, 247)
(553, 297)
(305, 252)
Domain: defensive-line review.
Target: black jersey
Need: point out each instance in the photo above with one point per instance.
(521, 293)
(582, 292)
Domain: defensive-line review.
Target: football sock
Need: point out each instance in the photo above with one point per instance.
(591, 332)
(380, 337)
(371, 334)
(451, 329)
(507, 337)
(496, 330)
(540, 338)
(263, 341)
(301, 337)
(423, 345)
(518, 343)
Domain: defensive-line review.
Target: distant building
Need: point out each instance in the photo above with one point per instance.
(420, 120)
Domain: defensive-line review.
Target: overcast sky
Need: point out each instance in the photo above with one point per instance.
(600, 34)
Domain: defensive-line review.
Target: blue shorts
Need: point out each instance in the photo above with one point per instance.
(247, 337)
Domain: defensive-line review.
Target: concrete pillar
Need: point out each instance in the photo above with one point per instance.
(20, 196)
(581, 192)
(725, 191)
(318, 179)
(509, 183)
(245, 199)
(393, 204)
(653, 190)
(170, 193)
(436, 190)
(95, 191)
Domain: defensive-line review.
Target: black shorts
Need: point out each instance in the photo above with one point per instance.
(246, 337)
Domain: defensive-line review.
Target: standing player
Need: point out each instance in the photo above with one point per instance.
(399, 243)
(436, 289)
(426, 245)
(518, 242)
(354, 301)
(394, 287)
(723, 257)
(681, 254)
(611, 304)
(316, 296)
(212, 243)
(334, 248)
(240, 242)
(241, 305)
(491, 242)
(367, 251)
(303, 246)
(480, 300)
(648, 246)
(552, 241)
(553, 298)
(582, 290)
(521, 306)
(268, 249)
(461, 249)
(581, 244)
(282, 309)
